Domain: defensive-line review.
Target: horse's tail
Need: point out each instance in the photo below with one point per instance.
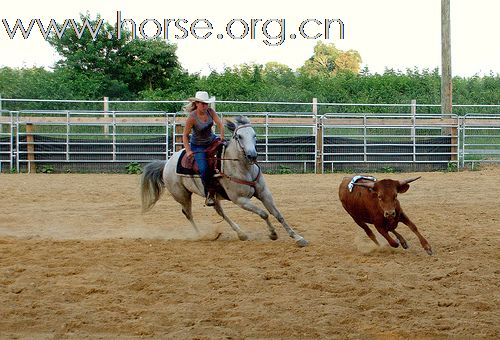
(152, 184)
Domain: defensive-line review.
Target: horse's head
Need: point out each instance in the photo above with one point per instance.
(244, 136)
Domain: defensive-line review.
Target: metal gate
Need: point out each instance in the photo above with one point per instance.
(481, 139)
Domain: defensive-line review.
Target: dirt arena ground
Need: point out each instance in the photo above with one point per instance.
(78, 260)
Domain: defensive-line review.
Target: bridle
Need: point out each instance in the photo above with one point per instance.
(236, 138)
(237, 180)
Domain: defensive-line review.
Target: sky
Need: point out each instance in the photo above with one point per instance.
(397, 34)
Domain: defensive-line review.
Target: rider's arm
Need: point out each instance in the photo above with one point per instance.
(185, 136)
(217, 121)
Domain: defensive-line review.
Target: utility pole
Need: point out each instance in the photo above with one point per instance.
(446, 78)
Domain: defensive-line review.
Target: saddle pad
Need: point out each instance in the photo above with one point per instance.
(185, 166)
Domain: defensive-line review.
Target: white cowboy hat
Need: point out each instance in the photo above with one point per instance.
(202, 97)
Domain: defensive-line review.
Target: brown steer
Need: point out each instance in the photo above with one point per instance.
(375, 202)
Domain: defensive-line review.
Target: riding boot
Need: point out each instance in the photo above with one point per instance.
(210, 193)
(210, 200)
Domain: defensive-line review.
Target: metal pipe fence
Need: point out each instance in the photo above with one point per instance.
(480, 139)
(409, 142)
(77, 139)
(97, 141)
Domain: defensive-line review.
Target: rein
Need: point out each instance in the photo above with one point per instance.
(253, 183)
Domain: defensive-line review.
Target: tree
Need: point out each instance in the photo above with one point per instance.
(278, 73)
(123, 68)
(147, 64)
(348, 61)
(84, 52)
(328, 60)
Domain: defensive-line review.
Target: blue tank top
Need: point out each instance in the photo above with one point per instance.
(201, 133)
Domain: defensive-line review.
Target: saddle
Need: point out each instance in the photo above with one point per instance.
(187, 166)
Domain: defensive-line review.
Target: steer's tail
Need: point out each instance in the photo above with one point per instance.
(152, 184)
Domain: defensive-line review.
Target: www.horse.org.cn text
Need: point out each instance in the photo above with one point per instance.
(272, 32)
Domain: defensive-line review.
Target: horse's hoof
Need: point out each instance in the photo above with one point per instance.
(243, 237)
(273, 236)
(429, 251)
(302, 242)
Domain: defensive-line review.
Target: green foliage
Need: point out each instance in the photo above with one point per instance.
(387, 170)
(146, 64)
(86, 54)
(47, 169)
(452, 167)
(283, 169)
(252, 83)
(133, 168)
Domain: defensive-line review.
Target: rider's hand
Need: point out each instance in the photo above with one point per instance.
(189, 154)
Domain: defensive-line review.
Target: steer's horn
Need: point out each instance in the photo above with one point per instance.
(406, 181)
(365, 184)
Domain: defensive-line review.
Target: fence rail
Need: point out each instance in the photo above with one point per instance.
(96, 141)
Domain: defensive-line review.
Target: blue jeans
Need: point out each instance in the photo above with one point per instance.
(200, 157)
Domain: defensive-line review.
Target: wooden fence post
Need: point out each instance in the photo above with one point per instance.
(30, 143)
(446, 76)
(179, 129)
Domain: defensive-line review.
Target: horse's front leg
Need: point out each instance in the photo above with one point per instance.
(267, 199)
(246, 204)
(241, 235)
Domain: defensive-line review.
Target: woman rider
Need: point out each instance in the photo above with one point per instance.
(199, 123)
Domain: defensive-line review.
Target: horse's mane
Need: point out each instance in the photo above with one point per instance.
(241, 120)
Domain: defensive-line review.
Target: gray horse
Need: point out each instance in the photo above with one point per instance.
(241, 178)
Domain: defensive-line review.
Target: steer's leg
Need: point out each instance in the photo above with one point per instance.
(368, 231)
(401, 239)
(404, 219)
(385, 233)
